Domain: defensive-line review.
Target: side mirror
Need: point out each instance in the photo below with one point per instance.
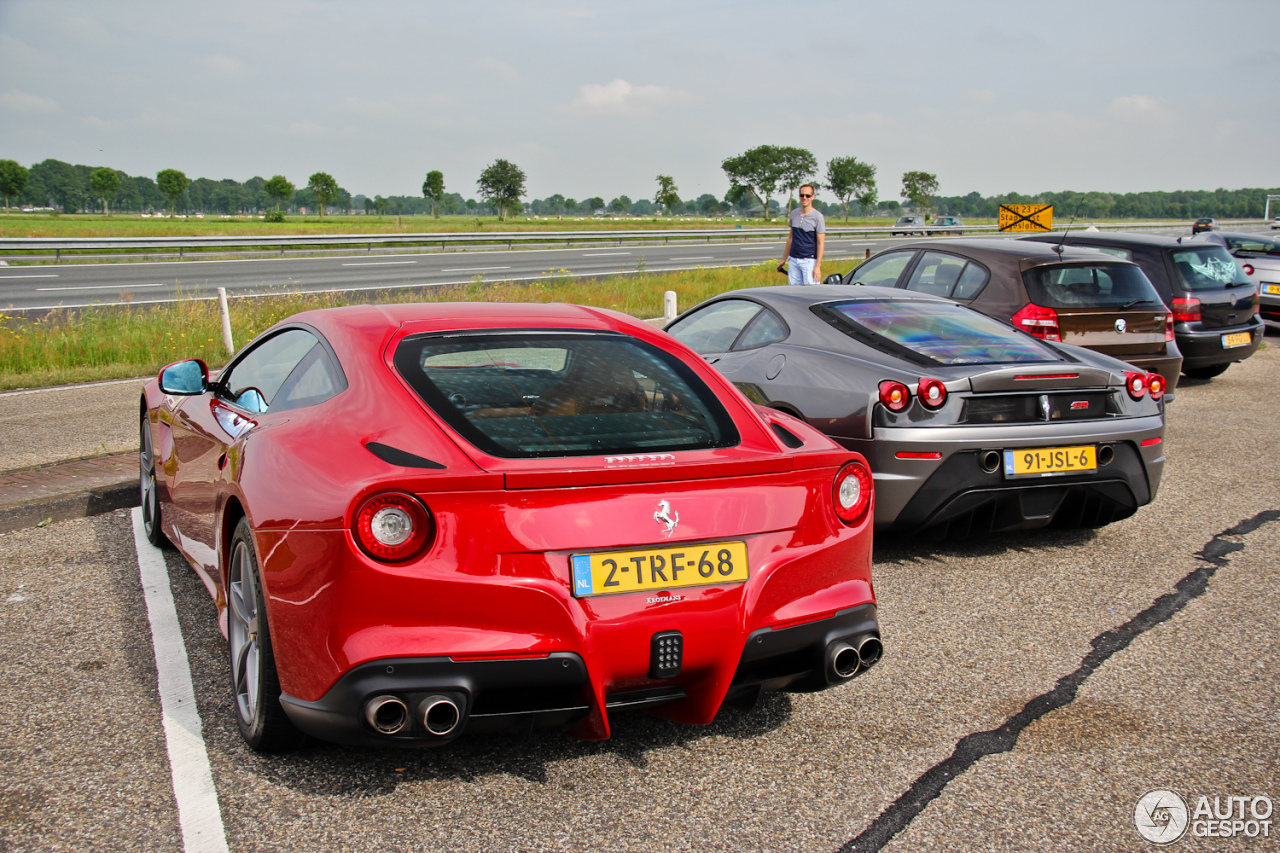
(834, 278)
(251, 400)
(185, 378)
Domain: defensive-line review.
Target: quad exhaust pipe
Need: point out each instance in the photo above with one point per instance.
(388, 715)
(846, 659)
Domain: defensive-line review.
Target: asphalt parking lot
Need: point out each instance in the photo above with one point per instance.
(1034, 687)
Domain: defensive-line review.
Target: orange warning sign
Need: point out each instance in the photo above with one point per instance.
(1026, 217)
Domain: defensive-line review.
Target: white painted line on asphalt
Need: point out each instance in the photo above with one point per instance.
(198, 811)
(99, 287)
(379, 263)
(757, 248)
(137, 381)
(697, 258)
(475, 269)
(603, 254)
(41, 275)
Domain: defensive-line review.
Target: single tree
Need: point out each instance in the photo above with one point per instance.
(799, 166)
(621, 204)
(280, 188)
(502, 184)
(919, 188)
(13, 179)
(760, 170)
(433, 190)
(173, 184)
(594, 203)
(848, 177)
(105, 182)
(323, 188)
(667, 196)
(380, 203)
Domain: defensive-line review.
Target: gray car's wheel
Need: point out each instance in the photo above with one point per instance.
(254, 682)
(1206, 372)
(150, 495)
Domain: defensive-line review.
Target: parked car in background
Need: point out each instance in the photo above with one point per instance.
(417, 520)
(1259, 258)
(1204, 223)
(1275, 223)
(907, 225)
(970, 425)
(1076, 296)
(946, 225)
(1215, 307)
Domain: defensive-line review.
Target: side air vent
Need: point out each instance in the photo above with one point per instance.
(396, 456)
(789, 438)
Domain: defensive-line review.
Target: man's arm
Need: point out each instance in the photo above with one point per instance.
(786, 250)
(817, 267)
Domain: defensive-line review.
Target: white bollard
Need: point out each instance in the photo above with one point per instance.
(669, 311)
(226, 321)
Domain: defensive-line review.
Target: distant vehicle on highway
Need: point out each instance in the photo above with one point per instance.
(947, 225)
(1259, 258)
(1204, 223)
(907, 225)
(1077, 297)
(1214, 305)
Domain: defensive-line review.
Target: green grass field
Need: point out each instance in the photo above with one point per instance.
(91, 344)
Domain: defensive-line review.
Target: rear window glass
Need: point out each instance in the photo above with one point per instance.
(537, 394)
(1207, 268)
(943, 332)
(1255, 245)
(1090, 286)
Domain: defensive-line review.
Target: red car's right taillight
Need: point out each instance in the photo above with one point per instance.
(851, 492)
(392, 527)
(1039, 321)
(894, 395)
(1155, 386)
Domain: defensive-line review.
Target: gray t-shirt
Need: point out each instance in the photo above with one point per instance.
(805, 229)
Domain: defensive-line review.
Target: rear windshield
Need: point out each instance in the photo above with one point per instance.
(1254, 245)
(944, 333)
(1090, 286)
(1207, 268)
(536, 394)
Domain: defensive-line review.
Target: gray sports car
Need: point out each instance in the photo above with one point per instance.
(970, 425)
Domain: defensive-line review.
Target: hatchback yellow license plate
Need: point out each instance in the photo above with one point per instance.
(1037, 461)
(649, 569)
(1236, 339)
(1271, 289)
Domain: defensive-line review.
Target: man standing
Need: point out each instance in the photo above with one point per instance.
(803, 252)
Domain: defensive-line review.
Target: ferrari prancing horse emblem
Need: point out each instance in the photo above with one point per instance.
(666, 517)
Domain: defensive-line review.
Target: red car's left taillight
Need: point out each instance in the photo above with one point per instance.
(392, 526)
(851, 492)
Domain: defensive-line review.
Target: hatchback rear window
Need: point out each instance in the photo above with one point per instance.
(1207, 268)
(539, 394)
(1066, 286)
(941, 332)
(1254, 245)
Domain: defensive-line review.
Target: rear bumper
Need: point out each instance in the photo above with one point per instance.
(1203, 347)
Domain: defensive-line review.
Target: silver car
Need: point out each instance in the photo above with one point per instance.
(1258, 256)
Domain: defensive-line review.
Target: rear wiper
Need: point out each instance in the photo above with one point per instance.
(1129, 305)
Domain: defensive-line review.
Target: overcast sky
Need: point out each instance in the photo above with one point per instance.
(597, 98)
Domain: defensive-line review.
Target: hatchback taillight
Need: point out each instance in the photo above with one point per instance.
(1155, 385)
(894, 395)
(1135, 384)
(392, 526)
(932, 392)
(851, 492)
(1039, 321)
(1186, 309)
(1168, 327)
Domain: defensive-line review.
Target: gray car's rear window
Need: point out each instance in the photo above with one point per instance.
(1207, 268)
(542, 393)
(943, 332)
(1066, 286)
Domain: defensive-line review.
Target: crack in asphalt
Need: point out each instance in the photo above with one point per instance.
(973, 747)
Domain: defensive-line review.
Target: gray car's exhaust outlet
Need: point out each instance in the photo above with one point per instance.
(386, 715)
(990, 461)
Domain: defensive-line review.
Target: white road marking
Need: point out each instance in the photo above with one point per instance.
(99, 287)
(139, 381)
(697, 258)
(198, 813)
(41, 275)
(379, 263)
(757, 248)
(475, 269)
(603, 254)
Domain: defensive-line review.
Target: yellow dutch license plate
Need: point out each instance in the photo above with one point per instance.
(1033, 461)
(1271, 289)
(1236, 339)
(649, 569)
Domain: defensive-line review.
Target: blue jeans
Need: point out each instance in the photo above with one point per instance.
(800, 270)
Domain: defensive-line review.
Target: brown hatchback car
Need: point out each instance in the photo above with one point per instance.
(1074, 296)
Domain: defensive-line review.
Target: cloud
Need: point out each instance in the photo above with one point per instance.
(1139, 108)
(25, 102)
(620, 98)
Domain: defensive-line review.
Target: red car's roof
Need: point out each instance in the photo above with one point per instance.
(466, 315)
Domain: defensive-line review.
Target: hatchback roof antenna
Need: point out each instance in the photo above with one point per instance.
(1058, 248)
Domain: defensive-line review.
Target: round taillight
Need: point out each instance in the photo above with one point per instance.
(894, 395)
(1248, 269)
(1135, 384)
(392, 527)
(851, 492)
(932, 392)
(1155, 385)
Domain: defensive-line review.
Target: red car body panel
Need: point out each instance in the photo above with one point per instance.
(496, 582)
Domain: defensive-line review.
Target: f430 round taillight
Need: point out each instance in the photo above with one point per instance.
(392, 526)
(1135, 384)
(1155, 385)
(1248, 268)
(894, 395)
(851, 492)
(932, 392)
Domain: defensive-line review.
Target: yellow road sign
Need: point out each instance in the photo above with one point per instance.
(1026, 217)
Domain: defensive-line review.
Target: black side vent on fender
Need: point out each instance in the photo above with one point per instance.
(789, 438)
(396, 456)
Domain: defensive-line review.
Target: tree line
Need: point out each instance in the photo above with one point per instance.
(759, 180)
